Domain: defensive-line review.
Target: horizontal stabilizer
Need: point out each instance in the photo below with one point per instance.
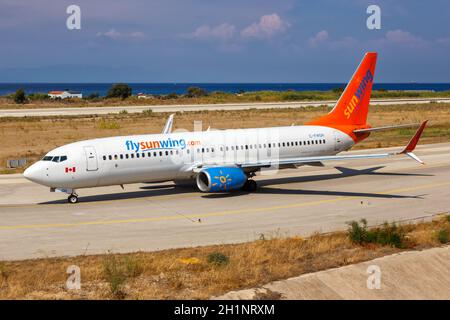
(385, 128)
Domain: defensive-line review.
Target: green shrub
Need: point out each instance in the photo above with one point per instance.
(20, 97)
(171, 95)
(358, 231)
(119, 90)
(195, 92)
(38, 96)
(115, 275)
(387, 234)
(147, 113)
(124, 112)
(218, 259)
(117, 271)
(443, 236)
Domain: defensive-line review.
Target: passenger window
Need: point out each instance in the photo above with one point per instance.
(160, 153)
(110, 157)
(115, 157)
(188, 151)
(167, 153)
(127, 156)
(212, 149)
(154, 154)
(269, 145)
(104, 158)
(137, 155)
(203, 150)
(121, 157)
(132, 156)
(143, 154)
(149, 154)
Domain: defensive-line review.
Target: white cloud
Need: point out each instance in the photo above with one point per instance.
(444, 41)
(404, 38)
(223, 32)
(268, 26)
(113, 34)
(320, 37)
(400, 36)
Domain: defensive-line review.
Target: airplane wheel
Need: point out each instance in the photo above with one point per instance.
(250, 185)
(72, 199)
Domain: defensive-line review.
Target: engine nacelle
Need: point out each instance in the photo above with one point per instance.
(221, 179)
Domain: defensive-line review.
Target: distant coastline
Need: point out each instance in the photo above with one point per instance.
(180, 88)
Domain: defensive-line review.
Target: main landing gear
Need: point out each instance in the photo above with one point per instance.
(73, 198)
(250, 185)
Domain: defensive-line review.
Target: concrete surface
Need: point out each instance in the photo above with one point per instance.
(37, 223)
(407, 275)
(195, 107)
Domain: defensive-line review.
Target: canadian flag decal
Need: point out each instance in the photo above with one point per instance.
(70, 169)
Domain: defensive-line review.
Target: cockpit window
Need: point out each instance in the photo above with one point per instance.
(55, 159)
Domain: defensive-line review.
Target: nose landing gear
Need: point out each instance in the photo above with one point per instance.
(73, 198)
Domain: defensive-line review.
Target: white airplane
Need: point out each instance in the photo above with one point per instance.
(217, 160)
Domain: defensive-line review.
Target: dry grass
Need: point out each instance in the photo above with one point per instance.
(31, 138)
(186, 273)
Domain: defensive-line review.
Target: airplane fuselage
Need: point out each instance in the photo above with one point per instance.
(163, 157)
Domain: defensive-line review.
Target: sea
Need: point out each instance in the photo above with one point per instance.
(180, 88)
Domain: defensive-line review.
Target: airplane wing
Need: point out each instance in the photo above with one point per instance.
(168, 126)
(408, 150)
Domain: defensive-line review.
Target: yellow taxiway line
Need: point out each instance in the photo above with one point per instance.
(213, 214)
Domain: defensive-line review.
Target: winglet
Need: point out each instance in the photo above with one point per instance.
(413, 142)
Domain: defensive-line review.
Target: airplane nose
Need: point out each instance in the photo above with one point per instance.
(32, 173)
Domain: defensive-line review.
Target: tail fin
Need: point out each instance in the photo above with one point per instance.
(353, 105)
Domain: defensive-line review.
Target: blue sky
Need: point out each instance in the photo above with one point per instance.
(222, 41)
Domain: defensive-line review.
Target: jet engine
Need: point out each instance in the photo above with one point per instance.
(217, 179)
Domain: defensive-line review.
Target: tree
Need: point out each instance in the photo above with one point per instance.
(119, 90)
(195, 92)
(19, 96)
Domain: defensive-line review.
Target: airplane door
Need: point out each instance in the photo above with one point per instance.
(91, 159)
(337, 141)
